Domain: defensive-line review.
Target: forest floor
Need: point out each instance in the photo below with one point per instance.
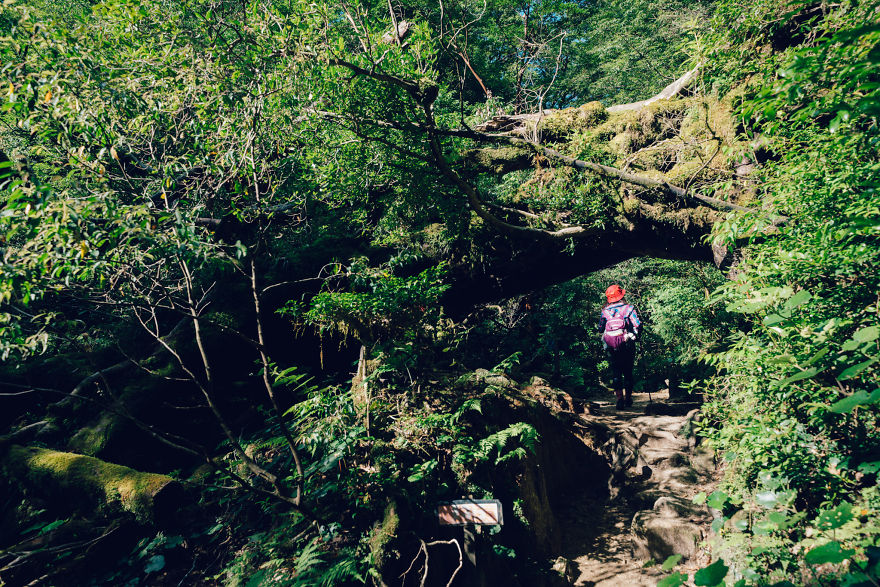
(601, 534)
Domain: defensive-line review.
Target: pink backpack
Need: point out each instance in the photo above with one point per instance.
(615, 325)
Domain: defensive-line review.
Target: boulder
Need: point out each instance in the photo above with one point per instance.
(702, 459)
(658, 537)
(565, 569)
(677, 507)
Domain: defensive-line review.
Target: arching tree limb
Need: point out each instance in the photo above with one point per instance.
(669, 91)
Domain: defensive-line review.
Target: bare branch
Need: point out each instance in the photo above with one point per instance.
(264, 361)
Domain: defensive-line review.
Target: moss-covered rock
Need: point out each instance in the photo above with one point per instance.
(82, 483)
(562, 123)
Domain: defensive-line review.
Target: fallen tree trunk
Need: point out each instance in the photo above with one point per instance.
(79, 483)
(669, 91)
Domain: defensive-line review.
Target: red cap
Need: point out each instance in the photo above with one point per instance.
(614, 293)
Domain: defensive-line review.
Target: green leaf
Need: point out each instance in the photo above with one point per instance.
(763, 528)
(766, 499)
(798, 377)
(851, 372)
(772, 319)
(699, 498)
(717, 500)
(798, 299)
(156, 563)
(835, 518)
(816, 357)
(770, 481)
(849, 403)
(51, 526)
(778, 519)
(670, 562)
(828, 553)
(673, 580)
(850, 345)
(867, 334)
(870, 468)
(711, 575)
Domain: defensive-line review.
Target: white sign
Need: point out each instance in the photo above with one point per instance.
(465, 512)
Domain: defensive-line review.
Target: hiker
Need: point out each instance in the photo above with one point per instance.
(620, 327)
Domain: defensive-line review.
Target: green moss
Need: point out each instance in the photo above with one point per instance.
(623, 143)
(630, 205)
(661, 157)
(83, 481)
(682, 172)
(501, 160)
(561, 124)
(382, 535)
(201, 474)
(681, 218)
(91, 440)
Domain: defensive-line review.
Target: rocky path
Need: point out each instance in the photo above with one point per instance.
(657, 467)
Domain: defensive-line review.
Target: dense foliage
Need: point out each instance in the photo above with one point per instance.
(794, 403)
(213, 212)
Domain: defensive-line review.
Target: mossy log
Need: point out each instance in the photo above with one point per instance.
(80, 483)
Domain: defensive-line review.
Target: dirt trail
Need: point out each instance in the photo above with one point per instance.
(656, 469)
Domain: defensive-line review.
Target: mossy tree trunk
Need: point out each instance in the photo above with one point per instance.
(79, 483)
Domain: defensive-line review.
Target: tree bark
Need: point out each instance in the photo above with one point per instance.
(521, 266)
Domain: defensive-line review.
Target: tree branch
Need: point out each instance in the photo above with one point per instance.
(276, 411)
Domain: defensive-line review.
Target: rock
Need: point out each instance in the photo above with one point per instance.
(566, 569)
(381, 537)
(669, 459)
(677, 507)
(91, 440)
(595, 407)
(497, 379)
(558, 401)
(677, 481)
(738, 520)
(48, 433)
(403, 28)
(646, 499)
(658, 537)
(689, 429)
(702, 459)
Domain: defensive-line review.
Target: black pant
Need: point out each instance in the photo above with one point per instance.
(622, 361)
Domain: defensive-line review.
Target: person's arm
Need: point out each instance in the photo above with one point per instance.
(602, 321)
(636, 324)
